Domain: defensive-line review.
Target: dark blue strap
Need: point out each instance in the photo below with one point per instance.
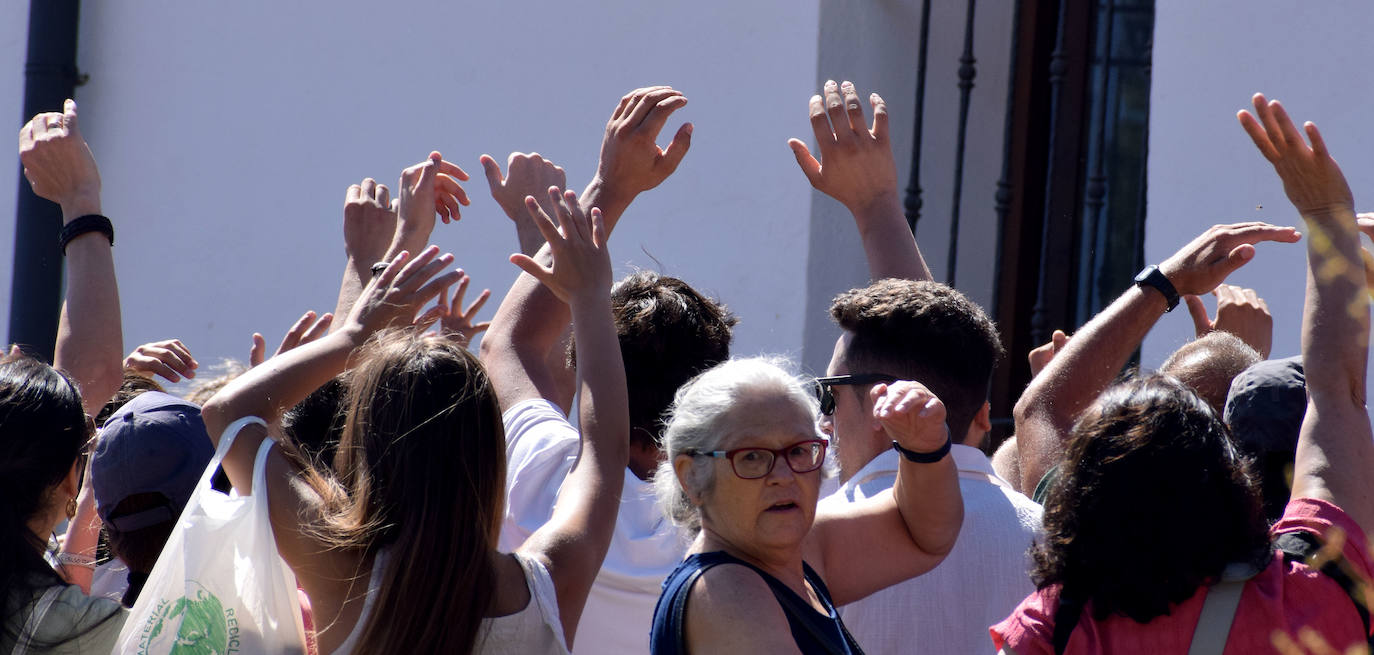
(1301, 545)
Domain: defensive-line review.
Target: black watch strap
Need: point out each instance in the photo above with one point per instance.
(925, 458)
(1154, 278)
(83, 224)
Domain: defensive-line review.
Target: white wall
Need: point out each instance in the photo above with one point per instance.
(875, 45)
(228, 133)
(13, 48)
(1209, 58)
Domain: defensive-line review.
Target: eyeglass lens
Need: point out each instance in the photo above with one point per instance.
(804, 457)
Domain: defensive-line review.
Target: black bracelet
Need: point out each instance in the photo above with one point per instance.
(83, 224)
(925, 458)
(379, 267)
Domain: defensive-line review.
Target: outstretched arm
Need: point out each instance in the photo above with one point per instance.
(856, 168)
(1095, 355)
(377, 227)
(526, 352)
(1335, 452)
(90, 343)
(529, 176)
(575, 540)
(531, 320)
(871, 545)
(265, 391)
(369, 223)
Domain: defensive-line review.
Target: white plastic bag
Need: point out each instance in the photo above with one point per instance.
(219, 586)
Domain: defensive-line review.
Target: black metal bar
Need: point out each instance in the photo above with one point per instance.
(50, 77)
(1097, 181)
(1141, 204)
(913, 188)
(1059, 66)
(1005, 192)
(967, 71)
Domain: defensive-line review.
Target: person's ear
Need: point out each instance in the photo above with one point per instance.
(71, 484)
(979, 428)
(983, 419)
(682, 466)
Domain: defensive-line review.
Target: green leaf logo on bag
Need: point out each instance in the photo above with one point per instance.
(197, 624)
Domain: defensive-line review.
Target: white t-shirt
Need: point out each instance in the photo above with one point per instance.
(980, 582)
(541, 446)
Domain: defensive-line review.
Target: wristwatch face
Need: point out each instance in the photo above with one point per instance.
(1153, 278)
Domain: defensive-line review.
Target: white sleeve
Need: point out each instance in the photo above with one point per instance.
(541, 447)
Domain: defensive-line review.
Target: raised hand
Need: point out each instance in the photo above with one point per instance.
(170, 359)
(856, 165)
(1204, 263)
(430, 188)
(305, 330)
(581, 269)
(631, 161)
(526, 176)
(458, 321)
(369, 222)
(1311, 178)
(910, 414)
(1241, 312)
(58, 163)
(398, 292)
(1041, 357)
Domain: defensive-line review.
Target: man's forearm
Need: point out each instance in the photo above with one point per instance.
(516, 350)
(1073, 379)
(90, 341)
(610, 200)
(888, 243)
(928, 498)
(356, 275)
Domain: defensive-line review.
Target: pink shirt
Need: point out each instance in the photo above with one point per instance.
(1283, 597)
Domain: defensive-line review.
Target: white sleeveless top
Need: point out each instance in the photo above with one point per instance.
(534, 630)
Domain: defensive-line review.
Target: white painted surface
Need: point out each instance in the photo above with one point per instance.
(228, 133)
(227, 136)
(875, 45)
(13, 48)
(1209, 58)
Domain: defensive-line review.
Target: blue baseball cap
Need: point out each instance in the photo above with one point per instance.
(155, 443)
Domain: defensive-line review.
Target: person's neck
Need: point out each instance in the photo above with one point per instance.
(854, 457)
(783, 564)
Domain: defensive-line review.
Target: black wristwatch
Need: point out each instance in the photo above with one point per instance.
(1152, 277)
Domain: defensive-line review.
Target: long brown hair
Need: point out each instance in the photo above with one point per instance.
(1153, 501)
(421, 472)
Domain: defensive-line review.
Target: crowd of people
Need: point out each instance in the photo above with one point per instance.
(424, 498)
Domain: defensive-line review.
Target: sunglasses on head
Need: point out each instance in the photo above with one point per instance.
(827, 397)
